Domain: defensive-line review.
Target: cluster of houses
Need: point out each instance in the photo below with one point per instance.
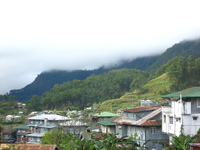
(152, 123)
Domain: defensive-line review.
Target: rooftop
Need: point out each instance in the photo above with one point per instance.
(49, 117)
(30, 146)
(145, 108)
(21, 127)
(105, 114)
(35, 134)
(190, 92)
(108, 122)
(145, 121)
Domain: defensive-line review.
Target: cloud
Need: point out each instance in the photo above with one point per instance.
(42, 35)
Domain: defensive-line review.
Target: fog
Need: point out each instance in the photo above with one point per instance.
(36, 36)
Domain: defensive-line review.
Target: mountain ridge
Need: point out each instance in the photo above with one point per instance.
(47, 80)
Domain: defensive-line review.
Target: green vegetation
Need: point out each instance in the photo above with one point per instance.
(81, 94)
(90, 141)
(176, 74)
(153, 90)
(8, 105)
(115, 90)
(120, 89)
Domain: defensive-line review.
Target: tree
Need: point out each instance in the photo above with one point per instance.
(34, 103)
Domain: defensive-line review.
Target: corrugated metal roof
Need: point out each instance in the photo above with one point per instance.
(30, 146)
(105, 114)
(145, 121)
(138, 109)
(49, 117)
(21, 127)
(190, 92)
(152, 123)
(108, 122)
(35, 134)
(147, 118)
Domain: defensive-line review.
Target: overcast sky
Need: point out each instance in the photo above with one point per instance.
(40, 35)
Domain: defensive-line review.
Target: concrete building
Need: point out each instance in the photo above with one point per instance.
(144, 124)
(41, 124)
(183, 112)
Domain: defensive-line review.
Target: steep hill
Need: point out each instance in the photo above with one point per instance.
(46, 80)
(154, 89)
(184, 48)
(177, 74)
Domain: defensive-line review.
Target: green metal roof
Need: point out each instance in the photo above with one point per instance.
(190, 92)
(108, 122)
(105, 114)
(21, 127)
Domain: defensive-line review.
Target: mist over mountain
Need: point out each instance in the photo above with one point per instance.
(47, 80)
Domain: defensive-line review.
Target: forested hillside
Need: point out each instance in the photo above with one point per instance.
(84, 88)
(177, 74)
(94, 89)
(46, 80)
(184, 48)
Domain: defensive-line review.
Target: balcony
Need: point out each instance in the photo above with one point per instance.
(166, 109)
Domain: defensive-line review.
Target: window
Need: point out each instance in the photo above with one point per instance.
(38, 139)
(31, 138)
(152, 130)
(194, 117)
(198, 102)
(164, 118)
(126, 115)
(170, 120)
(132, 115)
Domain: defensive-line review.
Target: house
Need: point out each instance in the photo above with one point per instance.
(194, 146)
(28, 147)
(183, 112)
(21, 105)
(41, 124)
(144, 124)
(21, 132)
(75, 126)
(9, 117)
(7, 132)
(100, 116)
(95, 106)
(108, 125)
(145, 102)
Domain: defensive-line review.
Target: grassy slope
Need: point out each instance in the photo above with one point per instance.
(156, 88)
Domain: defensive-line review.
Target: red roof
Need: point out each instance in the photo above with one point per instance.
(145, 121)
(152, 123)
(30, 146)
(145, 108)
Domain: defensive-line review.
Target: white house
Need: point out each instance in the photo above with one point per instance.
(183, 112)
(41, 124)
(75, 126)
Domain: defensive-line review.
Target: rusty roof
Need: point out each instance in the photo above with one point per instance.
(30, 146)
(138, 109)
(152, 123)
(145, 121)
(7, 130)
